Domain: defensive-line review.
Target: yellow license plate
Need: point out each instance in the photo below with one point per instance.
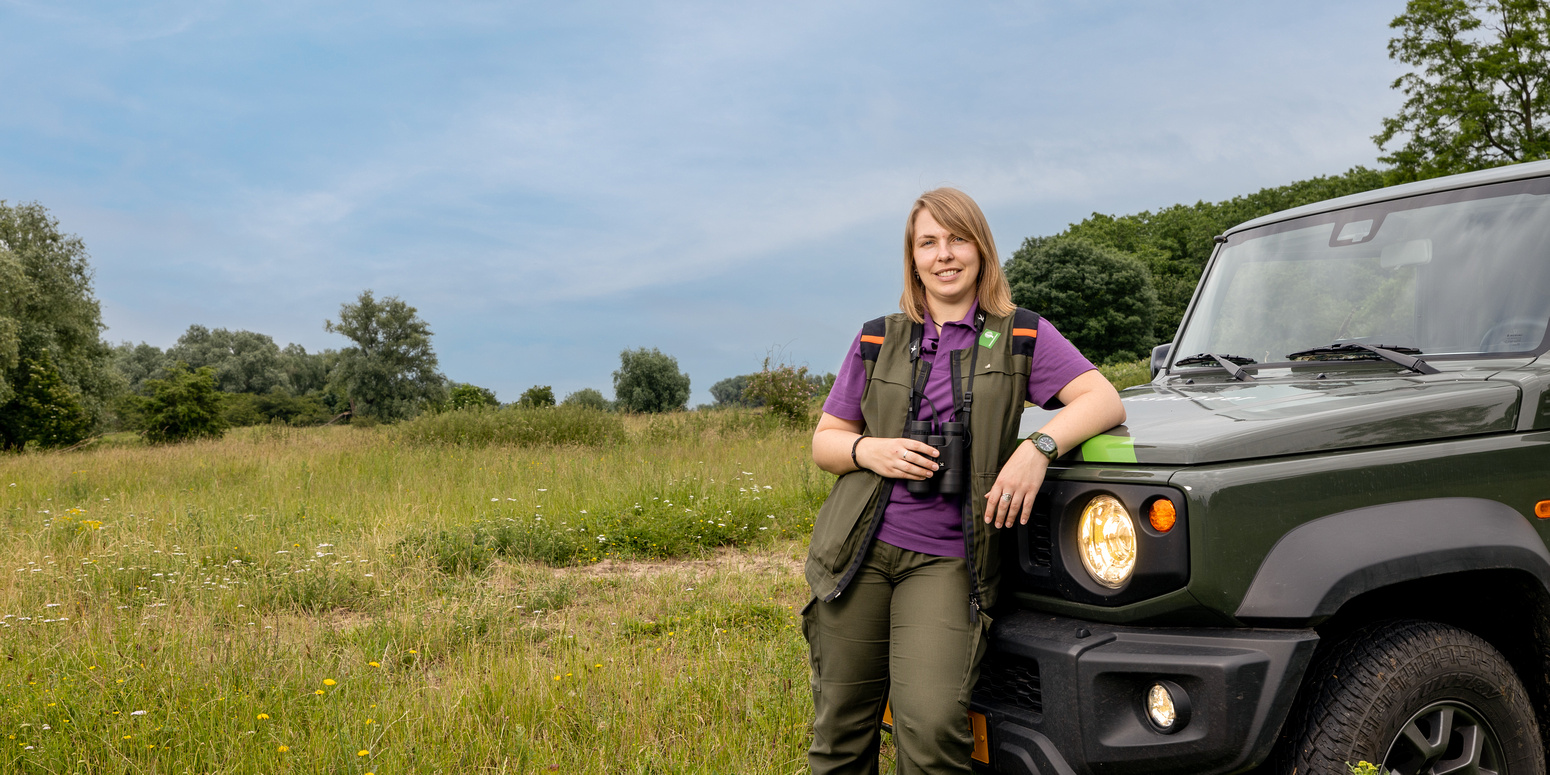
(977, 727)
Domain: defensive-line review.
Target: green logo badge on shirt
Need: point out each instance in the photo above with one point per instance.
(988, 339)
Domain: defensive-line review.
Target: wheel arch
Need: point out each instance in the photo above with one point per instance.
(1315, 569)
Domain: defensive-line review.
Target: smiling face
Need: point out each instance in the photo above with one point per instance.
(948, 264)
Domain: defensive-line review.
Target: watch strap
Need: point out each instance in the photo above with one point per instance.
(1054, 447)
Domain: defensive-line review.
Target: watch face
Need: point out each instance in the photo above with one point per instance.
(1045, 444)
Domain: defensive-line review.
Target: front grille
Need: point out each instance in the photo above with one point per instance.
(1039, 543)
(1009, 680)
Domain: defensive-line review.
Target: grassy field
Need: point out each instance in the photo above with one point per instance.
(343, 600)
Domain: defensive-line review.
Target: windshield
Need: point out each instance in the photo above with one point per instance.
(1454, 273)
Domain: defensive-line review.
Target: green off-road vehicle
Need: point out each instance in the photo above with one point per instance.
(1320, 537)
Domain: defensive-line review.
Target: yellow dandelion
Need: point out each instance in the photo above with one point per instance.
(263, 716)
(412, 651)
(370, 721)
(283, 748)
(329, 682)
(372, 664)
(320, 691)
(556, 678)
(129, 737)
(363, 752)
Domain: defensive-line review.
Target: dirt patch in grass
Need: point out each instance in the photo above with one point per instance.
(725, 560)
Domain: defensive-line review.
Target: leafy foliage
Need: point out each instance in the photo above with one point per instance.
(465, 396)
(1175, 242)
(785, 389)
(589, 398)
(1102, 298)
(537, 396)
(731, 392)
(243, 361)
(243, 409)
(390, 373)
(182, 407)
(49, 321)
(43, 410)
(1479, 95)
(649, 381)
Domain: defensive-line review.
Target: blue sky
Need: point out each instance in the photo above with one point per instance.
(551, 183)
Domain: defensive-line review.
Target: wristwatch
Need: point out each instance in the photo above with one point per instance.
(1044, 443)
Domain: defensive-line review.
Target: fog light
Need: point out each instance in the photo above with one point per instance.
(1167, 707)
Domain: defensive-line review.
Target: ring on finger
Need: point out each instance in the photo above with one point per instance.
(1006, 497)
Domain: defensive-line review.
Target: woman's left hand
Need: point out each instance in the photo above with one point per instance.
(1020, 479)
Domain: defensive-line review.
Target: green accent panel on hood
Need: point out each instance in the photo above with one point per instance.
(1104, 448)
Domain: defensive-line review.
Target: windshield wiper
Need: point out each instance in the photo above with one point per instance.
(1228, 362)
(1351, 351)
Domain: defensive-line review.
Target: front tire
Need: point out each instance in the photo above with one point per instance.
(1417, 698)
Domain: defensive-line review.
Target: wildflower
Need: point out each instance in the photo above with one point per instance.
(320, 691)
(363, 752)
(412, 651)
(137, 713)
(372, 664)
(263, 716)
(371, 721)
(129, 737)
(329, 682)
(283, 748)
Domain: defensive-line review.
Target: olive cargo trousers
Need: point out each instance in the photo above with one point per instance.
(900, 630)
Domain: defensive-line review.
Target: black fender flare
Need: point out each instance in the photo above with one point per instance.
(1318, 566)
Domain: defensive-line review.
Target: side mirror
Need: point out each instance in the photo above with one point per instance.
(1160, 356)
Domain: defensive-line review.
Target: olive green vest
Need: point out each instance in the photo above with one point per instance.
(849, 518)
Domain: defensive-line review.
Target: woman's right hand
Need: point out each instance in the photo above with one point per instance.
(897, 458)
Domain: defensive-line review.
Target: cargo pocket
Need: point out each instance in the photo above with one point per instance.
(835, 536)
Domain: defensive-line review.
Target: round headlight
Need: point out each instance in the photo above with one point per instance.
(1106, 540)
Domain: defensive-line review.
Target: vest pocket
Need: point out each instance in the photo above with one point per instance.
(837, 530)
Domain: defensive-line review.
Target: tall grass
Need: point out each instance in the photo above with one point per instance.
(443, 607)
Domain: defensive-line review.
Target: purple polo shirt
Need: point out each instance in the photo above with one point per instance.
(932, 524)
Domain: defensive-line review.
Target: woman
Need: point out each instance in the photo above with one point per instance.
(900, 580)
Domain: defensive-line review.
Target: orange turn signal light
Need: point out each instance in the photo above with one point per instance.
(1162, 515)
(1542, 509)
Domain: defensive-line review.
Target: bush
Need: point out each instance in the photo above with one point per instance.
(182, 407)
(588, 398)
(516, 426)
(244, 409)
(785, 389)
(649, 381)
(43, 410)
(1102, 299)
(537, 396)
(732, 392)
(465, 396)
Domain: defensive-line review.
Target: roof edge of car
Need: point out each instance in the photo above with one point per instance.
(1533, 169)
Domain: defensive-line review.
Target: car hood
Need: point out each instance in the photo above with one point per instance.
(1223, 420)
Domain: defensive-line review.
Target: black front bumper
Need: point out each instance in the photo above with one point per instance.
(1064, 696)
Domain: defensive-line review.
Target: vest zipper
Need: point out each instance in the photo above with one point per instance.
(877, 521)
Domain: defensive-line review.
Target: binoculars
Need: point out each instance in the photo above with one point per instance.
(950, 444)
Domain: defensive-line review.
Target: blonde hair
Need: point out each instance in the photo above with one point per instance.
(958, 213)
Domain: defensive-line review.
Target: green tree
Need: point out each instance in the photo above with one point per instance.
(649, 381)
(1479, 93)
(43, 410)
(1175, 242)
(589, 398)
(731, 392)
(390, 373)
(184, 406)
(537, 396)
(137, 363)
(243, 361)
(465, 396)
(307, 373)
(1102, 298)
(49, 319)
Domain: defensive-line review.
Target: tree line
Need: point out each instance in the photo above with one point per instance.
(1476, 96)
